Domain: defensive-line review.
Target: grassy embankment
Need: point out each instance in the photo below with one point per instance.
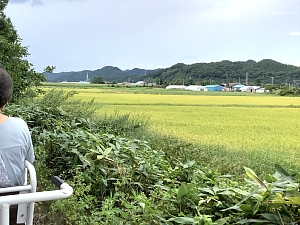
(227, 130)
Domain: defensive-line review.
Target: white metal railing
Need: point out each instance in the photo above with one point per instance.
(28, 195)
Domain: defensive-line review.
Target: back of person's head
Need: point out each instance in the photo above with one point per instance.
(6, 87)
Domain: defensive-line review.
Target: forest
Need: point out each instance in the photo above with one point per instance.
(266, 71)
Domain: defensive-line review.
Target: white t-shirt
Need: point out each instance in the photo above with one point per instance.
(15, 148)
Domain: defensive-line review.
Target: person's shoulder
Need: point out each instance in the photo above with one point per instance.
(17, 120)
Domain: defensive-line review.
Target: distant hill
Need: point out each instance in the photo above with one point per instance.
(108, 73)
(265, 71)
(258, 73)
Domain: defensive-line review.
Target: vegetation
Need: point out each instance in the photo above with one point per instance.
(266, 71)
(13, 58)
(123, 180)
(288, 91)
(252, 128)
(97, 80)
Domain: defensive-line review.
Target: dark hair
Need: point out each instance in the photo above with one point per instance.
(6, 87)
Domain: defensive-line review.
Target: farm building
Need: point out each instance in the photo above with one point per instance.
(196, 88)
(260, 90)
(214, 87)
(237, 87)
(249, 88)
(139, 83)
(176, 87)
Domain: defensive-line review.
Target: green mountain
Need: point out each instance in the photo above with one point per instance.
(263, 72)
(108, 73)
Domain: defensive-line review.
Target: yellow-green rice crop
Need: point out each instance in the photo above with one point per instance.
(165, 99)
(271, 135)
(255, 131)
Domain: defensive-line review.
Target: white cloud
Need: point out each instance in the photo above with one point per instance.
(295, 33)
(232, 10)
(280, 13)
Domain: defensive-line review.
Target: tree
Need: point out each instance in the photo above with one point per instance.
(13, 58)
(178, 82)
(49, 69)
(257, 82)
(97, 80)
(271, 87)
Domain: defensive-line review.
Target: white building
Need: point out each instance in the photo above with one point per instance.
(196, 88)
(260, 90)
(139, 83)
(249, 88)
(176, 87)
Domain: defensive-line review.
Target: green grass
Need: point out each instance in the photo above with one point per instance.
(228, 131)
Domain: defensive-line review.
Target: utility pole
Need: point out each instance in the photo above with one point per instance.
(272, 80)
(246, 79)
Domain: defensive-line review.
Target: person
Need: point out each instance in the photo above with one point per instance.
(15, 143)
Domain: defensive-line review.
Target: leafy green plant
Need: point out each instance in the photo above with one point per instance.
(275, 199)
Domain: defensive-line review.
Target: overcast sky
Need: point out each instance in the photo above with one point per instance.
(76, 35)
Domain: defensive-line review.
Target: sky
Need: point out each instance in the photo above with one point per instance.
(76, 35)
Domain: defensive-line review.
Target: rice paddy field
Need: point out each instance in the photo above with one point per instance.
(228, 130)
